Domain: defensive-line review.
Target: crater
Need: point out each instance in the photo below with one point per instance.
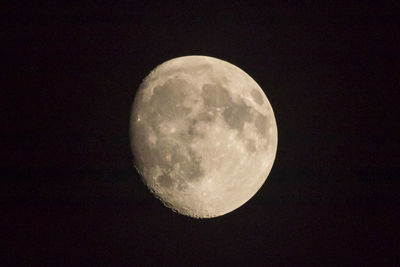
(257, 96)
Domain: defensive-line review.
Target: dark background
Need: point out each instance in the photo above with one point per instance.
(69, 194)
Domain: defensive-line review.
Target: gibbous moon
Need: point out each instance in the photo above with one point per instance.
(203, 135)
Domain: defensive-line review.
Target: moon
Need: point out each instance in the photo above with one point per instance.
(203, 135)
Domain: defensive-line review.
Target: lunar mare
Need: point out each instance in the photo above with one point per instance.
(203, 135)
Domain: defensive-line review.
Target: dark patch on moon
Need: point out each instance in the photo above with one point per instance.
(167, 100)
(165, 180)
(251, 145)
(215, 96)
(191, 169)
(266, 145)
(257, 96)
(192, 127)
(261, 124)
(191, 132)
(235, 115)
(163, 154)
(206, 116)
(182, 186)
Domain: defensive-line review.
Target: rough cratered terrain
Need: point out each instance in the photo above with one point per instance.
(203, 135)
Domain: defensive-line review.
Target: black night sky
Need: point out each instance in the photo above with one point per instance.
(69, 194)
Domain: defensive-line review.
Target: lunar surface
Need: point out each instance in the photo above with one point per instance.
(203, 135)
